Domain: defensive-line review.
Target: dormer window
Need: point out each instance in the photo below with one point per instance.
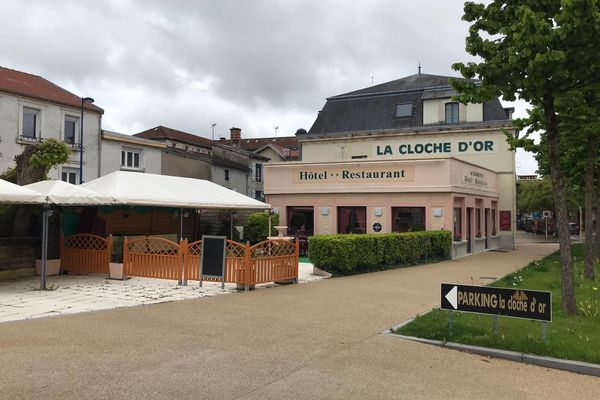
(452, 113)
(404, 110)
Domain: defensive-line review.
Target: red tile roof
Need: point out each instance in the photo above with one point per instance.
(287, 142)
(162, 132)
(36, 87)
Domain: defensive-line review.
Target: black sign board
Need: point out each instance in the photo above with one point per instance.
(377, 227)
(519, 303)
(212, 264)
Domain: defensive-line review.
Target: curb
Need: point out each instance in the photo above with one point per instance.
(579, 367)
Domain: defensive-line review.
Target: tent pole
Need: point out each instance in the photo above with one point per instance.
(46, 210)
(180, 224)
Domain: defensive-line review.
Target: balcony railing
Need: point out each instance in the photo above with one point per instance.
(28, 139)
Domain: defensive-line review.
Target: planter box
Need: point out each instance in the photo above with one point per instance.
(479, 245)
(52, 267)
(115, 271)
(459, 249)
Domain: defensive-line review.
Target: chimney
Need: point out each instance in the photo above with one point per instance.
(236, 136)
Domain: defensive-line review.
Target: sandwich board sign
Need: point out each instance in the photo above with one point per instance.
(212, 263)
(508, 302)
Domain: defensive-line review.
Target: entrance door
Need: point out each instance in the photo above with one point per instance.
(300, 222)
(469, 224)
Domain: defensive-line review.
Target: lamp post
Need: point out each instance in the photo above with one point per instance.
(86, 100)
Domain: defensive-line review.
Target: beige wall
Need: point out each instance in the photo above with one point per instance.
(434, 111)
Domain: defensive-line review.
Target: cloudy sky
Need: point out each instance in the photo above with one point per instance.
(254, 64)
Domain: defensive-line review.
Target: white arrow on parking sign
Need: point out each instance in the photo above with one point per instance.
(452, 297)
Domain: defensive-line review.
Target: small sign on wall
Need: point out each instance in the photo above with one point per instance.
(377, 227)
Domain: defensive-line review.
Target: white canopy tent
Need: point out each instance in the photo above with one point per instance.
(62, 193)
(66, 194)
(11, 193)
(140, 189)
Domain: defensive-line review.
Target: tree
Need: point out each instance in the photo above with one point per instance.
(36, 160)
(536, 50)
(33, 165)
(257, 227)
(579, 112)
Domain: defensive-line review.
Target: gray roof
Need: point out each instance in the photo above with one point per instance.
(373, 108)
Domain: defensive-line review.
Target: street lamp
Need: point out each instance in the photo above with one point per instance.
(86, 100)
(213, 130)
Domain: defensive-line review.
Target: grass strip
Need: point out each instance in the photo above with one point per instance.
(569, 337)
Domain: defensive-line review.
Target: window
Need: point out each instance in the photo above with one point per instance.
(31, 123)
(352, 219)
(457, 224)
(258, 172)
(226, 175)
(408, 219)
(478, 222)
(404, 110)
(131, 159)
(70, 129)
(69, 175)
(452, 113)
(258, 194)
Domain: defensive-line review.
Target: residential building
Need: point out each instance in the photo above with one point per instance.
(283, 148)
(189, 155)
(402, 156)
(185, 154)
(33, 109)
(122, 152)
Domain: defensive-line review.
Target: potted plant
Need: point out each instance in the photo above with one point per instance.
(457, 236)
(52, 266)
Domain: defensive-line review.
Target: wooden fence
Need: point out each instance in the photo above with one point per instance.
(85, 253)
(155, 257)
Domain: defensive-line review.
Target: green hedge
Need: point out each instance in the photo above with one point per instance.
(360, 253)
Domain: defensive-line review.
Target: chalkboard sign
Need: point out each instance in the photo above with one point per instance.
(212, 264)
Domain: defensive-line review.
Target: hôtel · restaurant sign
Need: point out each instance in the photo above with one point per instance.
(358, 174)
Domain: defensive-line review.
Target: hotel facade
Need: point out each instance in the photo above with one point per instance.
(402, 156)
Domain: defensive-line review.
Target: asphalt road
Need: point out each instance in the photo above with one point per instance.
(309, 341)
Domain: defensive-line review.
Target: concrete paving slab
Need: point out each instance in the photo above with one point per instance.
(315, 341)
(72, 294)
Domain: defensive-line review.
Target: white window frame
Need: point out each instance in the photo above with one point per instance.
(124, 159)
(69, 171)
(76, 119)
(256, 177)
(451, 104)
(37, 110)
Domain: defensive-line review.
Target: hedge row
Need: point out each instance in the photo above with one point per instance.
(359, 253)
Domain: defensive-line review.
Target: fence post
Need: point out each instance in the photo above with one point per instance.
(61, 250)
(125, 256)
(296, 259)
(247, 267)
(183, 255)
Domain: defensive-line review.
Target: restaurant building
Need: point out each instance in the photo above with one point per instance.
(402, 156)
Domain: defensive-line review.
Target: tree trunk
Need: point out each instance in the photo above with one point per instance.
(560, 203)
(596, 212)
(588, 270)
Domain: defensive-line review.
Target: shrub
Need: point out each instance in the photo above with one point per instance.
(347, 254)
(257, 227)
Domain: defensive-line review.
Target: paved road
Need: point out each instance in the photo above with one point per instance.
(308, 341)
